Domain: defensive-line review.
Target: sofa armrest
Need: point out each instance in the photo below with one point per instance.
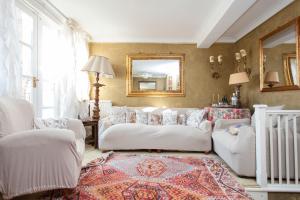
(104, 124)
(206, 126)
(37, 137)
(226, 123)
(77, 127)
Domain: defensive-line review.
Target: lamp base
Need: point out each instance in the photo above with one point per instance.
(238, 95)
(96, 110)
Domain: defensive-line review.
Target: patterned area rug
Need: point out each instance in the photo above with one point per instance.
(141, 177)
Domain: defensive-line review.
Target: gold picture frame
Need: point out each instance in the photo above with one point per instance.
(151, 93)
(296, 23)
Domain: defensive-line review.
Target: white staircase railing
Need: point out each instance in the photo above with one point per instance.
(277, 149)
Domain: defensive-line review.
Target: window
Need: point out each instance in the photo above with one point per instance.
(38, 37)
(28, 44)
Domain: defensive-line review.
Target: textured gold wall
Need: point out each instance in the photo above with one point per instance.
(199, 84)
(250, 92)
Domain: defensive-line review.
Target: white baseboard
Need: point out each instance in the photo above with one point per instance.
(256, 195)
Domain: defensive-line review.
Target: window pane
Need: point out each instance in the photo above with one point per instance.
(48, 94)
(26, 60)
(47, 113)
(25, 27)
(27, 88)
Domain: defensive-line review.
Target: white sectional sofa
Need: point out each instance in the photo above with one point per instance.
(119, 132)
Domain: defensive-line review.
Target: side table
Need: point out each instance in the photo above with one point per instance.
(94, 125)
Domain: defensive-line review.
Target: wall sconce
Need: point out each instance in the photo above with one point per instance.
(215, 66)
(241, 58)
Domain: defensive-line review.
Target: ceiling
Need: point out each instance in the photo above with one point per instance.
(169, 21)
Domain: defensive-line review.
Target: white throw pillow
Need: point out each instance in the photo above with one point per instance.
(195, 117)
(273, 118)
(141, 117)
(169, 117)
(117, 115)
(234, 130)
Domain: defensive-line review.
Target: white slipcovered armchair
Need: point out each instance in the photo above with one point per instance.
(238, 151)
(33, 160)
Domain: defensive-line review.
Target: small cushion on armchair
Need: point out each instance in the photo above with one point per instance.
(234, 130)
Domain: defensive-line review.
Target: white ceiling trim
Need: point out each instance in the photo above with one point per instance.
(227, 39)
(256, 22)
(219, 24)
(144, 40)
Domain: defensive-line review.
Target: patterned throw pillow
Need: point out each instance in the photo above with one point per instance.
(195, 117)
(181, 119)
(169, 117)
(117, 115)
(130, 116)
(141, 117)
(154, 119)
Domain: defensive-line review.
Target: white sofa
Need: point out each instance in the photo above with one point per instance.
(238, 151)
(33, 160)
(131, 136)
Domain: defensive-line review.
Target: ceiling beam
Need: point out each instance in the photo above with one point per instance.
(220, 22)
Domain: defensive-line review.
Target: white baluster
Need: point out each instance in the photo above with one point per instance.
(279, 149)
(287, 155)
(271, 150)
(295, 149)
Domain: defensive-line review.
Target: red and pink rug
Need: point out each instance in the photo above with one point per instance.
(141, 177)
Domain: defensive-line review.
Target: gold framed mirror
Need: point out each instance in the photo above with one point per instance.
(279, 58)
(155, 75)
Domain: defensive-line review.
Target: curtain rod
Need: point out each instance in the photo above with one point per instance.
(55, 8)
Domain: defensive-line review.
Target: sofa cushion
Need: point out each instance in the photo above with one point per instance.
(154, 119)
(169, 117)
(194, 118)
(141, 117)
(117, 115)
(130, 116)
(181, 119)
(168, 137)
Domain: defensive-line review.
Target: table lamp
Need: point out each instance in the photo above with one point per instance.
(238, 79)
(271, 78)
(103, 68)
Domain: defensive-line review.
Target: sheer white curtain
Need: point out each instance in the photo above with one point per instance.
(10, 68)
(64, 52)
